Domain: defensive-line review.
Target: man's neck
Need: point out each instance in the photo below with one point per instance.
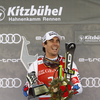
(52, 58)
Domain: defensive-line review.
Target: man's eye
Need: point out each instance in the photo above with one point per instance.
(57, 41)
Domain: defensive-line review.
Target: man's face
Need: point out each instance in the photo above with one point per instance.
(52, 47)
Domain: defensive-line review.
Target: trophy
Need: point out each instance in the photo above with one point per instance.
(34, 90)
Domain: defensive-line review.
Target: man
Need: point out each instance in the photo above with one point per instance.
(46, 66)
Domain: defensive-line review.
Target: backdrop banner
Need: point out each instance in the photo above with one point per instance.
(49, 12)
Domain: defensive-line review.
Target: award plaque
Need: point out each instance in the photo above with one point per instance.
(38, 90)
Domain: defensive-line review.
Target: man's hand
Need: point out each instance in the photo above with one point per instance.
(75, 88)
(25, 89)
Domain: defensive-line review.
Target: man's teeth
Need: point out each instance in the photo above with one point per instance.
(54, 48)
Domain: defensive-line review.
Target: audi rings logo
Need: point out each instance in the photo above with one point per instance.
(90, 82)
(10, 38)
(10, 82)
(2, 13)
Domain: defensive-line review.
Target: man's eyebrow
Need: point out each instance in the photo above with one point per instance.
(58, 39)
(51, 39)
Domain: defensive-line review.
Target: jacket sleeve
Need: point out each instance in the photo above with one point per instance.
(76, 80)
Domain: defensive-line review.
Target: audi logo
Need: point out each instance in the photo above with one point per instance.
(10, 82)
(10, 38)
(90, 82)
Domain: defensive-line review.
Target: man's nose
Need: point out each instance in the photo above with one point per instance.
(55, 43)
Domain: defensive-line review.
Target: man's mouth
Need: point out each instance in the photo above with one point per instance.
(54, 48)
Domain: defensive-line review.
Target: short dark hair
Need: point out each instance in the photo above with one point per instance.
(43, 48)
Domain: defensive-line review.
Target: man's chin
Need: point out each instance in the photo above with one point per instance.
(55, 54)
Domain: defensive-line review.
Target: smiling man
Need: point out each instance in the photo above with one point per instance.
(46, 65)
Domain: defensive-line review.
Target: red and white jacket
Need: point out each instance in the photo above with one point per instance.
(45, 74)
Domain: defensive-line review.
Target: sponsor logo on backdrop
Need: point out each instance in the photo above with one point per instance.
(10, 38)
(34, 13)
(40, 37)
(9, 60)
(89, 59)
(87, 37)
(90, 82)
(10, 83)
(2, 13)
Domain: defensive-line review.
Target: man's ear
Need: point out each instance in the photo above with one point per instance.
(43, 44)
